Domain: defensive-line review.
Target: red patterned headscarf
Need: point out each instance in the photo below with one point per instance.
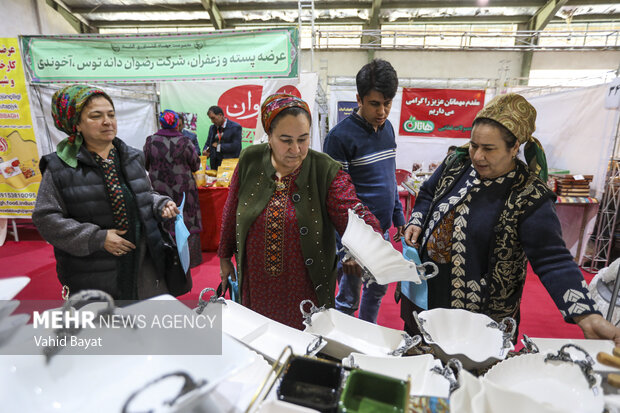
(274, 104)
(169, 119)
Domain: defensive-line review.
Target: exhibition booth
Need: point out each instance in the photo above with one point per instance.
(220, 356)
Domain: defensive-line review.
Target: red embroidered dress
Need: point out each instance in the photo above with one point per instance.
(276, 279)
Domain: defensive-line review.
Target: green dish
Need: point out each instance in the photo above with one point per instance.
(366, 392)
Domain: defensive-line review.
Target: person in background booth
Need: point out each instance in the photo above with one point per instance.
(484, 213)
(95, 204)
(224, 139)
(365, 144)
(170, 159)
(189, 134)
(451, 149)
(284, 205)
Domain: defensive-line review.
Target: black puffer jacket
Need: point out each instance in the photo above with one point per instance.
(85, 200)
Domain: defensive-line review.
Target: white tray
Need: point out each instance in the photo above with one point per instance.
(424, 381)
(375, 254)
(75, 383)
(264, 335)
(235, 393)
(346, 334)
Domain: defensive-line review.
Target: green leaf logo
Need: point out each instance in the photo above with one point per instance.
(418, 126)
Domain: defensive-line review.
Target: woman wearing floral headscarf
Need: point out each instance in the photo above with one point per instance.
(484, 213)
(95, 204)
(284, 202)
(170, 158)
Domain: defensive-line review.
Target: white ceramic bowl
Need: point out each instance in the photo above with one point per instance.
(424, 381)
(472, 338)
(236, 392)
(264, 335)
(346, 334)
(375, 254)
(560, 385)
(593, 347)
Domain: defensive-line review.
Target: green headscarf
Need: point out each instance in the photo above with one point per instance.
(67, 105)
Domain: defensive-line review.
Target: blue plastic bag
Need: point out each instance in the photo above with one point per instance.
(416, 293)
(234, 289)
(182, 234)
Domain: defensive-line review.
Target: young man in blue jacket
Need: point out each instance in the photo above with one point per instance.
(224, 139)
(365, 144)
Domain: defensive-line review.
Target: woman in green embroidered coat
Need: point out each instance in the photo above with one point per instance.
(484, 213)
(284, 202)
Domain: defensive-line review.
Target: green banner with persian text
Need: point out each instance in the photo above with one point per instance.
(266, 53)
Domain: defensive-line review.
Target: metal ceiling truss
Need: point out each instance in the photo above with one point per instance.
(214, 14)
(239, 23)
(77, 22)
(538, 22)
(373, 13)
(419, 40)
(319, 5)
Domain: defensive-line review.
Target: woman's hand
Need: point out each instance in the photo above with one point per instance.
(170, 210)
(412, 233)
(117, 245)
(226, 268)
(594, 326)
(351, 266)
(400, 232)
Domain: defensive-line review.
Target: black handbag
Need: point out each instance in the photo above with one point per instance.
(177, 280)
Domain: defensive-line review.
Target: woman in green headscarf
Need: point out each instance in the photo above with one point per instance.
(484, 213)
(95, 204)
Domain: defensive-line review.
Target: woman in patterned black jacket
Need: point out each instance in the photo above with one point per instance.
(96, 205)
(484, 213)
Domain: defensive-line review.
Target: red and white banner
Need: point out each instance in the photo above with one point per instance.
(240, 100)
(440, 113)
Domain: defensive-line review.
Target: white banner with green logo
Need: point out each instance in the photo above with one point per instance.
(265, 53)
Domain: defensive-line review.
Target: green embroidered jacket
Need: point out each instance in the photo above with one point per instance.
(308, 193)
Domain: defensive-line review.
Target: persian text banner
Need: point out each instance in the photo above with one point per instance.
(19, 159)
(268, 53)
(442, 113)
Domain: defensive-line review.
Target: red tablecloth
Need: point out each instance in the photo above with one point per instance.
(212, 202)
